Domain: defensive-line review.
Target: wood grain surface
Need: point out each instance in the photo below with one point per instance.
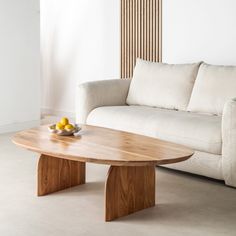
(129, 189)
(104, 146)
(141, 33)
(56, 174)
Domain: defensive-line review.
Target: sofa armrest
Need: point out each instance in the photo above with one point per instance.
(95, 94)
(229, 142)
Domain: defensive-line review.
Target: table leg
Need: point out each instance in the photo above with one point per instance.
(55, 174)
(129, 189)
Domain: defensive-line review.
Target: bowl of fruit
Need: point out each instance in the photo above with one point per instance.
(64, 128)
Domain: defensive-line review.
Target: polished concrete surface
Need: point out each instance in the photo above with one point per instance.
(186, 204)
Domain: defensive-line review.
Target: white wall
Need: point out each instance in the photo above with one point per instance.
(19, 64)
(79, 42)
(196, 30)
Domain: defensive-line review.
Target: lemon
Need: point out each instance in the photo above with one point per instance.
(69, 127)
(59, 126)
(64, 121)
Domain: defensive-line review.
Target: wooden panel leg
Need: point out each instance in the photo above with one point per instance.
(55, 174)
(129, 189)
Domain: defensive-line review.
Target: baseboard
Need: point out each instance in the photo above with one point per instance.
(18, 126)
(59, 113)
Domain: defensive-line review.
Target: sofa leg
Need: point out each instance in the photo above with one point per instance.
(230, 184)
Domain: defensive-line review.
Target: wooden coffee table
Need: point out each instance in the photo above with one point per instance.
(130, 184)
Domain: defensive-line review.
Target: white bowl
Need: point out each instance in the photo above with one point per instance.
(64, 132)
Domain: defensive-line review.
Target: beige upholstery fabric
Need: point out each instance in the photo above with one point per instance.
(162, 85)
(100, 93)
(201, 132)
(103, 103)
(201, 163)
(213, 87)
(229, 142)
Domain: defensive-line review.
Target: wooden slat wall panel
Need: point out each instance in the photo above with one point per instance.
(140, 33)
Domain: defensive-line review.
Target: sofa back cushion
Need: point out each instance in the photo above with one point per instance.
(162, 85)
(213, 87)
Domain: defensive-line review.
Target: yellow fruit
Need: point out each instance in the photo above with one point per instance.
(59, 126)
(64, 121)
(69, 127)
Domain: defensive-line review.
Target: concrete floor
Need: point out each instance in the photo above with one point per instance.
(186, 204)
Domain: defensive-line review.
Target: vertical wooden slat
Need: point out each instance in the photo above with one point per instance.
(157, 31)
(128, 37)
(145, 30)
(140, 33)
(154, 31)
(148, 30)
(137, 17)
(124, 35)
(122, 39)
(134, 34)
(142, 28)
(160, 30)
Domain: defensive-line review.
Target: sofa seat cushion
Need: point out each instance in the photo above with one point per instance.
(200, 132)
(162, 85)
(213, 87)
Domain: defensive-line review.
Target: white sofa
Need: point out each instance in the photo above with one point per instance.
(189, 104)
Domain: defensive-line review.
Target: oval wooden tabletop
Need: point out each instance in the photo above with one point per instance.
(104, 146)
